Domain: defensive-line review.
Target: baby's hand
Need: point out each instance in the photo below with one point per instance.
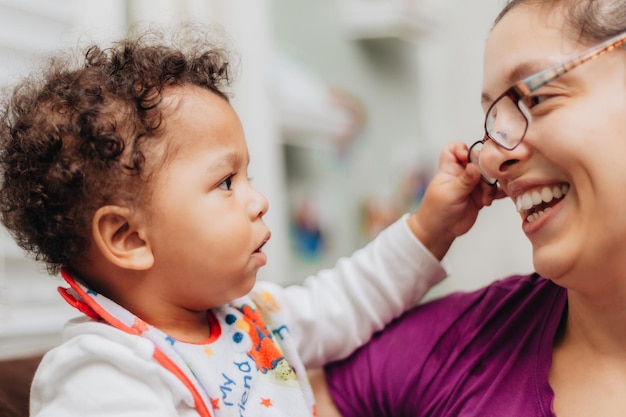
(452, 201)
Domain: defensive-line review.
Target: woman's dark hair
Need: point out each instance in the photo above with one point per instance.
(586, 21)
(86, 134)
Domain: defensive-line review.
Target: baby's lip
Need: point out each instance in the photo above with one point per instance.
(265, 240)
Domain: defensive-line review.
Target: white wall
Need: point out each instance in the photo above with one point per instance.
(414, 110)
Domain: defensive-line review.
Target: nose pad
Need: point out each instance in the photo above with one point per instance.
(474, 157)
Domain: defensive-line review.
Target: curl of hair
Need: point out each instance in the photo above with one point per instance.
(74, 138)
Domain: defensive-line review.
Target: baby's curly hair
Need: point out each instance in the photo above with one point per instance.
(83, 135)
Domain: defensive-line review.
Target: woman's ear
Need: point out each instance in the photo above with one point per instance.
(119, 238)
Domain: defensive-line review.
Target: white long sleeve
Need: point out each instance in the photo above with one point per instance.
(337, 310)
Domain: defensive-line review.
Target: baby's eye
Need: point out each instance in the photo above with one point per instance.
(227, 183)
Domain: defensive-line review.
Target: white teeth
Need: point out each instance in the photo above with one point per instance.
(533, 198)
(523, 202)
(536, 197)
(534, 216)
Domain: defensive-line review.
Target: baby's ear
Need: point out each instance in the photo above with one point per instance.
(119, 238)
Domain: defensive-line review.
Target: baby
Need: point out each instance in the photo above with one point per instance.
(128, 174)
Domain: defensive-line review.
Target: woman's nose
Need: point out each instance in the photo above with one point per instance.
(498, 162)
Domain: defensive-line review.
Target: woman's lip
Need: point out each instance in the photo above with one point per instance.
(530, 228)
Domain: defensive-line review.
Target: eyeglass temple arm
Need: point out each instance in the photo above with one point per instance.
(537, 81)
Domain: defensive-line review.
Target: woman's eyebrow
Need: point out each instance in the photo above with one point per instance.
(485, 99)
(518, 73)
(525, 69)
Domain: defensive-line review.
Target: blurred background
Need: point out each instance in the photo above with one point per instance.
(346, 105)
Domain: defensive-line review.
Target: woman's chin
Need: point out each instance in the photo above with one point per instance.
(552, 267)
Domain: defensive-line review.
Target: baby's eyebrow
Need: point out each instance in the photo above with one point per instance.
(227, 160)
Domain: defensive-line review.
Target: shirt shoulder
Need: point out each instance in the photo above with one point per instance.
(95, 357)
(431, 360)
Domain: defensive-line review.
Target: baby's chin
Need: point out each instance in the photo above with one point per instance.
(247, 285)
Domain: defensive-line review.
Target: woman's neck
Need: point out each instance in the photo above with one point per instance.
(596, 324)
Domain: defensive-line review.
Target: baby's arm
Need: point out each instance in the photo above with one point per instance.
(451, 202)
(338, 310)
(449, 209)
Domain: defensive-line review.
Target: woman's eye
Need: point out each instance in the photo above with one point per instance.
(227, 183)
(533, 101)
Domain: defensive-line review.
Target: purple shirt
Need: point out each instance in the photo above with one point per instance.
(481, 354)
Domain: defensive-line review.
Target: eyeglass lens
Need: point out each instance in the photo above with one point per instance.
(505, 123)
(474, 153)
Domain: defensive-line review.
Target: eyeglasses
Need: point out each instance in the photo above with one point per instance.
(508, 117)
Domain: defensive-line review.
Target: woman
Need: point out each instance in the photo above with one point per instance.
(553, 343)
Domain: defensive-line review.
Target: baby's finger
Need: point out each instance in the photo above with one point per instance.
(459, 149)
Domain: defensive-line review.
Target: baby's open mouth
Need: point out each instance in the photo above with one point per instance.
(260, 248)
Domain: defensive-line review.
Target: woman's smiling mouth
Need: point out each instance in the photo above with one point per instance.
(532, 204)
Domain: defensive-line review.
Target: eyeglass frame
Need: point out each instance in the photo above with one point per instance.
(520, 90)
